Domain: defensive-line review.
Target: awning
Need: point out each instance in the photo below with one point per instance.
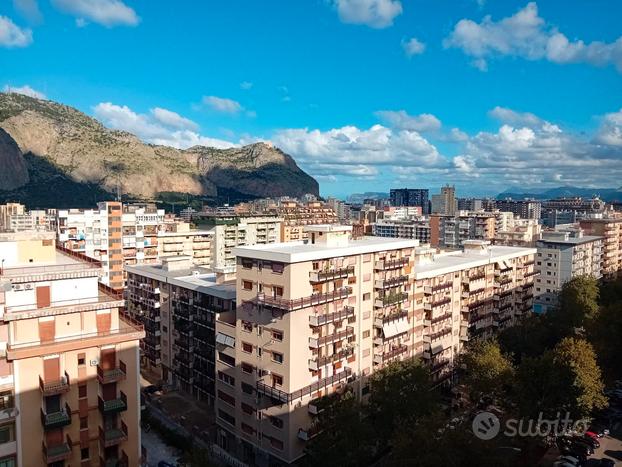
(224, 339)
(394, 328)
(437, 348)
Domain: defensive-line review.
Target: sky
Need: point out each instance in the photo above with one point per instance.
(364, 94)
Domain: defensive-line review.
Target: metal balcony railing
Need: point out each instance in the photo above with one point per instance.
(320, 320)
(111, 375)
(331, 275)
(115, 405)
(298, 303)
(285, 398)
(396, 263)
(51, 388)
(58, 419)
(56, 453)
(391, 282)
(316, 342)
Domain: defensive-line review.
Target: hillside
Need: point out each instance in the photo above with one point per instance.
(606, 194)
(57, 156)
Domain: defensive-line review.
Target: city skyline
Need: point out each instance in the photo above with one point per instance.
(542, 93)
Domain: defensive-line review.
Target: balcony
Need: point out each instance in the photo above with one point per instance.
(438, 319)
(113, 375)
(437, 335)
(309, 433)
(52, 388)
(381, 321)
(317, 277)
(316, 342)
(56, 453)
(58, 419)
(320, 320)
(316, 363)
(384, 265)
(285, 397)
(114, 461)
(112, 436)
(474, 277)
(391, 299)
(112, 405)
(439, 365)
(503, 280)
(299, 303)
(429, 290)
(390, 282)
(383, 357)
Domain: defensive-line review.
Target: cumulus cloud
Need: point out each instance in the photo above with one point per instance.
(158, 127)
(105, 12)
(222, 104)
(506, 115)
(402, 120)
(29, 9)
(527, 35)
(413, 46)
(374, 13)
(11, 35)
(610, 131)
(25, 90)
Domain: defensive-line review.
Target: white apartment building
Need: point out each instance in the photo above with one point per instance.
(561, 256)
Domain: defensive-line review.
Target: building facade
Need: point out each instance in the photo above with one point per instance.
(610, 229)
(452, 231)
(411, 197)
(69, 369)
(525, 209)
(413, 229)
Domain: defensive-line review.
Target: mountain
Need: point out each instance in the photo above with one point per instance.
(358, 198)
(53, 155)
(606, 194)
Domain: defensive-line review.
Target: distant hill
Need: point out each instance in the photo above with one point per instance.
(357, 198)
(52, 155)
(606, 194)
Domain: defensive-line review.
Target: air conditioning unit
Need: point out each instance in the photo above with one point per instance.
(28, 287)
(17, 287)
(94, 362)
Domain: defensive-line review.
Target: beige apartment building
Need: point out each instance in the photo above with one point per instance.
(610, 229)
(450, 231)
(519, 232)
(313, 317)
(296, 216)
(69, 365)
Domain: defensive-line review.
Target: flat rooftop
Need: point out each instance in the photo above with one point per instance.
(297, 252)
(456, 261)
(195, 278)
(571, 240)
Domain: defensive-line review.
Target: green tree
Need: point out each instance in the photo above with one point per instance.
(578, 305)
(487, 369)
(577, 357)
(343, 432)
(528, 338)
(401, 393)
(605, 333)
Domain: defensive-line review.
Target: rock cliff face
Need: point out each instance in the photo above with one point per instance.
(43, 144)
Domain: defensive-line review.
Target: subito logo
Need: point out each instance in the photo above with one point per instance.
(486, 425)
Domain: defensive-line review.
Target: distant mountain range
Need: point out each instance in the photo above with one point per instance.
(52, 155)
(606, 194)
(357, 198)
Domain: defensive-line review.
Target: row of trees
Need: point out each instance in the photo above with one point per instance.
(545, 364)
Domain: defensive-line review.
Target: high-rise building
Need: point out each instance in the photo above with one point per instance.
(15, 218)
(6, 211)
(69, 365)
(297, 216)
(525, 209)
(561, 256)
(451, 231)
(411, 197)
(470, 204)
(610, 229)
(445, 202)
(178, 303)
(313, 317)
(416, 229)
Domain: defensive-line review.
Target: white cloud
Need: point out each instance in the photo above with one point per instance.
(29, 9)
(153, 130)
(12, 35)
(222, 104)
(413, 46)
(374, 13)
(610, 131)
(506, 115)
(527, 35)
(402, 120)
(246, 85)
(173, 119)
(105, 12)
(25, 90)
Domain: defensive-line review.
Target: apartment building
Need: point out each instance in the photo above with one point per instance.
(445, 202)
(178, 303)
(519, 232)
(177, 239)
(561, 256)
(468, 295)
(525, 209)
(416, 229)
(610, 229)
(411, 197)
(232, 230)
(451, 231)
(69, 360)
(314, 317)
(341, 209)
(296, 216)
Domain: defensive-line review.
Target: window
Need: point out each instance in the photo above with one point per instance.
(247, 326)
(248, 409)
(249, 430)
(366, 296)
(247, 285)
(277, 335)
(277, 268)
(366, 333)
(278, 291)
(84, 423)
(276, 421)
(82, 391)
(277, 380)
(276, 444)
(84, 453)
(81, 359)
(247, 367)
(223, 396)
(247, 263)
(226, 417)
(225, 378)
(246, 347)
(247, 388)
(8, 462)
(226, 359)
(7, 433)
(277, 357)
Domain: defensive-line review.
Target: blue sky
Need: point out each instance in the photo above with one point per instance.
(365, 94)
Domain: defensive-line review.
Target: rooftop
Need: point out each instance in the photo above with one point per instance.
(569, 240)
(297, 252)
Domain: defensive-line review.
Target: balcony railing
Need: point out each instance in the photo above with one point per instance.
(316, 342)
(438, 319)
(285, 398)
(52, 388)
(390, 282)
(437, 335)
(52, 420)
(58, 452)
(316, 363)
(429, 290)
(320, 320)
(298, 303)
(391, 299)
(112, 375)
(439, 365)
(325, 276)
(118, 404)
(112, 436)
(382, 320)
(383, 357)
(386, 264)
